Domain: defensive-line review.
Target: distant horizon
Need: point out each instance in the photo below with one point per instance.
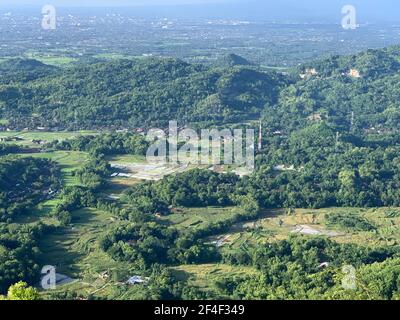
(114, 3)
(368, 11)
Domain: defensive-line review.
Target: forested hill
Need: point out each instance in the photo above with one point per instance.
(231, 60)
(138, 93)
(358, 94)
(23, 70)
(370, 64)
(353, 93)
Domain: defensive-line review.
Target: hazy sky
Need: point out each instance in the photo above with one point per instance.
(109, 2)
(393, 3)
(367, 10)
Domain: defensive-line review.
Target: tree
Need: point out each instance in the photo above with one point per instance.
(21, 291)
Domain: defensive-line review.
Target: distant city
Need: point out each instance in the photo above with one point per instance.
(87, 33)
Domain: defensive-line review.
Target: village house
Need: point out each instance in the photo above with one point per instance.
(310, 72)
(354, 73)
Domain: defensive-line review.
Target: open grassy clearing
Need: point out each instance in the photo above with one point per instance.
(117, 186)
(75, 252)
(55, 60)
(69, 161)
(28, 136)
(40, 214)
(127, 159)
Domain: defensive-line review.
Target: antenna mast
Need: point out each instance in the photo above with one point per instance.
(260, 144)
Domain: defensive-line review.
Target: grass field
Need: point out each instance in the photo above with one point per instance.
(127, 159)
(55, 60)
(74, 251)
(28, 136)
(40, 214)
(68, 161)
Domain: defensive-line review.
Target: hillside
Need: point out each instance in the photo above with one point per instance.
(152, 91)
(370, 64)
(231, 60)
(357, 94)
(138, 93)
(23, 70)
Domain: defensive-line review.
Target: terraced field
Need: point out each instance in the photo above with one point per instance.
(277, 225)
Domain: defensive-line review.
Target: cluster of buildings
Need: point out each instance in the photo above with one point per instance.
(312, 72)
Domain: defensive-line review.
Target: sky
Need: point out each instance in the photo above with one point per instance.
(110, 3)
(368, 10)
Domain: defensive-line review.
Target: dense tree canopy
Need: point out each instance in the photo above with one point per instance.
(330, 139)
(138, 93)
(24, 182)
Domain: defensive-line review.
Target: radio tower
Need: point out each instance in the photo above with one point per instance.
(260, 145)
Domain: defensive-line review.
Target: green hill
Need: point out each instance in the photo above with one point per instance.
(23, 70)
(367, 102)
(369, 64)
(139, 93)
(232, 60)
(151, 92)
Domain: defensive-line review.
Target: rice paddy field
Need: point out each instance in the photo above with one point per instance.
(75, 252)
(198, 217)
(200, 276)
(277, 225)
